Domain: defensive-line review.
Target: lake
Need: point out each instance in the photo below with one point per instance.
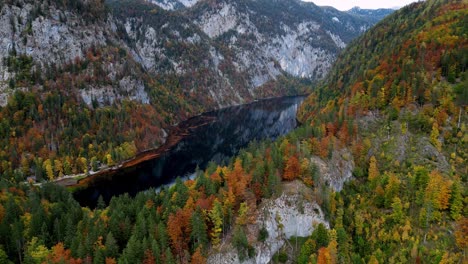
(212, 136)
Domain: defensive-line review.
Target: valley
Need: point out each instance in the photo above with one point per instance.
(159, 106)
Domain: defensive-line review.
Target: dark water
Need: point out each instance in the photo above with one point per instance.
(222, 137)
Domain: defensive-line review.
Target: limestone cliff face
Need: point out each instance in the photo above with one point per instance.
(54, 36)
(271, 38)
(220, 52)
(337, 170)
(293, 213)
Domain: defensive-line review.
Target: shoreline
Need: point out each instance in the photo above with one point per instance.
(176, 133)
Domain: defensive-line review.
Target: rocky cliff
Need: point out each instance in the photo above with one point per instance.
(293, 214)
(220, 49)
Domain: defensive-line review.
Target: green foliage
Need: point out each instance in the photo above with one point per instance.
(320, 235)
(240, 242)
(199, 230)
(262, 234)
(4, 257)
(307, 249)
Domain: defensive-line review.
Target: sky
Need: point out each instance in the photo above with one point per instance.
(366, 4)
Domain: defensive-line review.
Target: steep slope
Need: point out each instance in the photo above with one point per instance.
(268, 37)
(245, 46)
(397, 99)
(77, 97)
(76, 73)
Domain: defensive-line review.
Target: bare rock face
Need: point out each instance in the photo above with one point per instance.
(336, 171)
(304, 46)
(287, 216)
(54, 37)
(220, 52)
(291, 214)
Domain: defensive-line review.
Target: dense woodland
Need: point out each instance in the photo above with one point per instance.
(396, 99)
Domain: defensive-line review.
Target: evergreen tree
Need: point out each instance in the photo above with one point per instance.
(456, 200)
(320, 235)
(198, 236)
(112, 249)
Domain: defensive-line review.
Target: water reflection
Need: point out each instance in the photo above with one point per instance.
(228, 131)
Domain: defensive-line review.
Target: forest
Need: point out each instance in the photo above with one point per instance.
(396, 100)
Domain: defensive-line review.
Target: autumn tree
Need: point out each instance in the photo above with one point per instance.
(36, 252)
(59, 254)
(307, 249)
(461, 233)
(149, 258)
(435, 136)
(216, 217)
(323, 256)
(178, 228)
(237, 179)
(397, 207)
(197, 257)
(49, 169)
(292, 169)
(373, 169)
(438, 191)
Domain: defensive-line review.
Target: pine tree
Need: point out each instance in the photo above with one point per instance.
(198, 235)
(241, 243)
(456, 200)
(112, 249)
(320, 235)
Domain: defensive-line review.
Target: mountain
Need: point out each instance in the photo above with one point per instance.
(396, 99)
(377, 172)
(174, 4)
(371, 15)
(247, 44)
(75, 73)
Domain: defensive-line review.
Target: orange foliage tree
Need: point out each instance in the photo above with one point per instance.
(293, 168)
(178, 228)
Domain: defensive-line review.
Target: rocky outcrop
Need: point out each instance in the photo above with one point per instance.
(291, 214)
(371, 15)
(337, 170)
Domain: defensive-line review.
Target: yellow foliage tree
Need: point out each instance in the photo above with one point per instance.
(438, 191)
(47, 165)
(373, 169)
(435, 136)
